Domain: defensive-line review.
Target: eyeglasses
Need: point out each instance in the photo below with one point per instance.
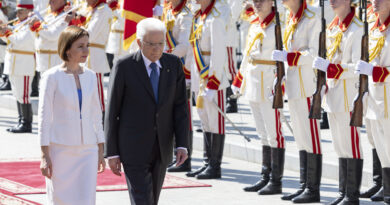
(161, 44)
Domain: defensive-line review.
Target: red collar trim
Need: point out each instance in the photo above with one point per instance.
(208, 10)
(178, 8)
(268, 20)
(98, 3)
(346, 22)
(299, 14)
(382, 27)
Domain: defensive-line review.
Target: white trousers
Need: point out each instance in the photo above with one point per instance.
(381, 135)
(212, 121)
(231, 54)
(346, 139)
(74, 175)
(369, 127)
(268, 124)
(101, 89)
(21, 87)
(306, 131)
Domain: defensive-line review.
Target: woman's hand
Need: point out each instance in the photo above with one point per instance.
(101, 161)
(46, 166)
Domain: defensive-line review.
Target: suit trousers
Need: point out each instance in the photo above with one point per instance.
(21, 87)
(381, 135)
(268, 124)
(145, 180)
(346, 139)
(306, 131)
(212, 121)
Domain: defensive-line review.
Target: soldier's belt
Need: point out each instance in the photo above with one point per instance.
(46, 52)
(116, 31)
(261, 62)
(205, 53)
(20, 52)
(95, 45)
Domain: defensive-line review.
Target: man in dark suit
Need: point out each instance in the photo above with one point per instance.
(146, 108)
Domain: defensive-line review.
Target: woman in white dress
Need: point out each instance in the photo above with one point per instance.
(70, 124)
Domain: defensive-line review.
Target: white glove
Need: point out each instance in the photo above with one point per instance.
(209, 94)
(278, 55)
(321, 64)
(364, 68)
(157, 10)
(235, 89)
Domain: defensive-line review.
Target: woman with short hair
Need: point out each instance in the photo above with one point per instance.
(70, 124)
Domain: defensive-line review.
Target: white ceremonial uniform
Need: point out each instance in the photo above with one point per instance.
(19, 62)
(115, 39)
(72, 134)
(256, 77)
(301, 41)
(98, 27)
(4, 19)
(46, 41)
(178, 22)
(379, 91)
(211, 37)
(344, 50)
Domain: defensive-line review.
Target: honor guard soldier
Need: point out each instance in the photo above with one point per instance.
(255, 82)
(114, 48)
(375, 193)
(343, 40)
(20, 64)
(46, 41)
(97, 23)
(178, 20)
(301, 44)
(209, 81)
(378, 90)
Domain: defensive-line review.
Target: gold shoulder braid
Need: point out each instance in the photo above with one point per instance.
(374, 52)
(332, 49)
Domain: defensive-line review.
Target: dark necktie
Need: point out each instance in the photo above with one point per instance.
(154, 80)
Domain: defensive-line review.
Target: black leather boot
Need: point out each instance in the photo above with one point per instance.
(302, 178)
(25, 125)
(313, 181)
(274, 186)
(378, 196)
(265, 171)
(19, 118)
(6, 84)
(376, 176)
(206, 155)
(186, 166)
(342, 180)
(354, 180)
(324, 124)
(386, 185)
(213, 171)
(231, 104)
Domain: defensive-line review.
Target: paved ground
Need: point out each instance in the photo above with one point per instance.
(228, 190)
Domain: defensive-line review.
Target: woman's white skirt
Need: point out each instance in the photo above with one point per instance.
(74, 175)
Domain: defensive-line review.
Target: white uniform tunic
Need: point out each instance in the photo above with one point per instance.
(19, 62)
(343, 40)
(115, 39)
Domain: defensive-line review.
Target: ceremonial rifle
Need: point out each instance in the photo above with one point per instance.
(357, 112)
(278, 94)
(315, 109)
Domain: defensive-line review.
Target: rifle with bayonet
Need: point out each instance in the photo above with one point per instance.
(278, 93)
(315, 109)
(357, 112)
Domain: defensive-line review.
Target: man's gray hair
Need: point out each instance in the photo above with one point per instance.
(149, 24)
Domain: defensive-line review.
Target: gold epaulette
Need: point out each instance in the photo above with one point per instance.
(357, 21)
(186, 11)
(215, 10)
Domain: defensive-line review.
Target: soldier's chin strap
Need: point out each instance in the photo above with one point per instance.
(231, 122)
